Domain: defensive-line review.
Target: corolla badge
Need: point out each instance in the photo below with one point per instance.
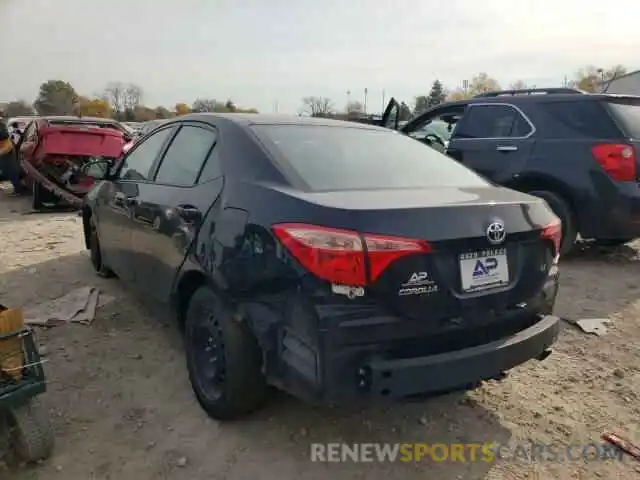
(496, 233)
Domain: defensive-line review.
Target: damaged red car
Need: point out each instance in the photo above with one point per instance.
(53, 150)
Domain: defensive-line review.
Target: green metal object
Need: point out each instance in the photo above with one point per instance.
(14, 393)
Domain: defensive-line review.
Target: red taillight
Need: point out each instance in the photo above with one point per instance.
(339, 255)
(553, 232)
(618, 160)
(382, 250)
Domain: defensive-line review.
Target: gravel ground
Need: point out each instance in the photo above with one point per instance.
(122, 408)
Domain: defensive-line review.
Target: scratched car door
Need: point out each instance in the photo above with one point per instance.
(171, 208)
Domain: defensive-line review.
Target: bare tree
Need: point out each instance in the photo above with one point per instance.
(114, 94)
(317, 106)
(132, 96)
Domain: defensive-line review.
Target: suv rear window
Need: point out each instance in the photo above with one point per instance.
(348, 158)
(581, 118)
(629, 117)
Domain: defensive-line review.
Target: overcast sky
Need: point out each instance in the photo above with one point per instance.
(259, 52)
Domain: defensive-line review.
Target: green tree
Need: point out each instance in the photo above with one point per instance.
(201, 105)
(420, 104)
(437, 95)
(162, 112)
(405, 112)
(56, 97)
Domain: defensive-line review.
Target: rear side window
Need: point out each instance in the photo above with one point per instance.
(580, 119)
(349, 158)
(629, 117)
(492, 121)
(185, 156)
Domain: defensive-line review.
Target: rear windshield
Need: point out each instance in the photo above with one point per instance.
(347, 158)
(629, 117)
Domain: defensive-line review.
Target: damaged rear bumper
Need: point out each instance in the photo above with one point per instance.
(445, 371)
(338, 375)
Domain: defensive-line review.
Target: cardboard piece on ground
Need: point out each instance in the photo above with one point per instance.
(78, 306)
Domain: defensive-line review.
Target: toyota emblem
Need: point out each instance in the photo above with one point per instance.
(496, 233)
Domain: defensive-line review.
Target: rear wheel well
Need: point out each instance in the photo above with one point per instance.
(187, 285)
(86, 225)
(537, 184)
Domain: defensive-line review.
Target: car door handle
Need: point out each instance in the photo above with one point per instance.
(189, 212)
(506, 148)
(122, 200)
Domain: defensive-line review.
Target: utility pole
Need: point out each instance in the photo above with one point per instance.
(348, 100)
(366, 91)
(383, 104)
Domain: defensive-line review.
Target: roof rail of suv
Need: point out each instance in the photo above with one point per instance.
(529, 91)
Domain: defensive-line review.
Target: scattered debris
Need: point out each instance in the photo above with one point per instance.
(623, 444)
(596, 326)
(78, 306)
(618, 373)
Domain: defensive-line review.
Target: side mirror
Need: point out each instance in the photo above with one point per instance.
(98, 169)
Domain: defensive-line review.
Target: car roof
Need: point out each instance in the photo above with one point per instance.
(248, 119)
(533, 98)
(70, 118)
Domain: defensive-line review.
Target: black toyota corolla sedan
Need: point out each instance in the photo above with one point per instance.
(334, 260)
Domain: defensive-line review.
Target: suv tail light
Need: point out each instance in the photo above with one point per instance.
(618, 160)
(553, 232)
(340, 256)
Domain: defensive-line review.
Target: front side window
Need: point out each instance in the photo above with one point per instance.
(137, 164)
(185, 156)
(351, 158)
(492, 121)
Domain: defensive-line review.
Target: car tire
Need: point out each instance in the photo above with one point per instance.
(95, 252)
(562, 209)
(31, 431)
(224, 359)
(37, 195)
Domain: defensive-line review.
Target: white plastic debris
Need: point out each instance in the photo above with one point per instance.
(597, 326)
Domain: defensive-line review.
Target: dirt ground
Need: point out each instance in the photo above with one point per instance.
(122, 408)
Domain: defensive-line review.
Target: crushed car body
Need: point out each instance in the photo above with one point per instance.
(53, 151)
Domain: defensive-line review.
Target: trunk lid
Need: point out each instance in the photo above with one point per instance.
(81, 141)
(626, 112)
(469, 272)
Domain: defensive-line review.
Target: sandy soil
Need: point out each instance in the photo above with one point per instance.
(122, 407)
